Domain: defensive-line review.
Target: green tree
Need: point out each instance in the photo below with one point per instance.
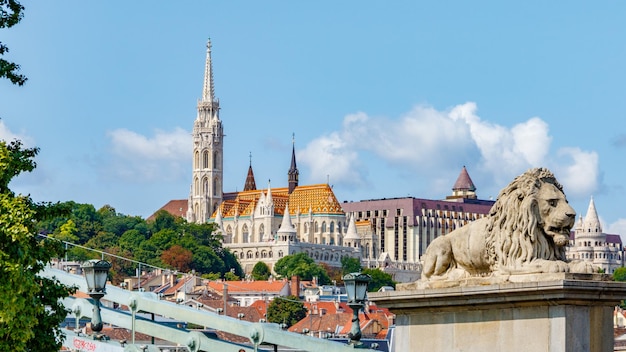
(288, 310)
(30, 312)
(302, 266)
(619, 274)
(131, 239)
(230, 262)
(261, 271)
(231, 276)
(350, 265)
(379, 279)
(67, 232)
(162, 220)
(206, 261)
(11, 13)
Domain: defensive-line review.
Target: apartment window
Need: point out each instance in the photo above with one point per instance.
(396, 237)
(404, 238)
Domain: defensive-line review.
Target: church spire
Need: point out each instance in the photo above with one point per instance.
(250, 184)
(208, 152)
(208, 90)
(293, 169)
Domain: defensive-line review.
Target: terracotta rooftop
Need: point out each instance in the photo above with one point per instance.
(271, 287)
(176, 207)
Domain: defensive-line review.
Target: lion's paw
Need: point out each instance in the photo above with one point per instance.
(579, 266)
(550, 266)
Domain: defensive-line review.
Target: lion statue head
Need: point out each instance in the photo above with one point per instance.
(531, 219)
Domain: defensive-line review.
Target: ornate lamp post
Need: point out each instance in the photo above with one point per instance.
(96, 273)
(356, 288)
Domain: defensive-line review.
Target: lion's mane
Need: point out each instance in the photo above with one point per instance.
(515, 235)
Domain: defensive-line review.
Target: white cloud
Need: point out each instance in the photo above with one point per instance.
(165, 156)
(8, 135)
(578, 171)
(506, 152)
(617, 228)
(428, 142)
(331, 156)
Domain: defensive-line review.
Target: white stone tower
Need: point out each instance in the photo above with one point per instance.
(208, 151)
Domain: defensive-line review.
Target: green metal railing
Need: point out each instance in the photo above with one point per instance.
(259, 334)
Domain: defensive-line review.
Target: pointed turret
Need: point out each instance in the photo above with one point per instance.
(293, 169)
(463, 187)
(218, 219)
(268, 198)
(250, 184)
(591, 224)
(287, 231)
(351, 233)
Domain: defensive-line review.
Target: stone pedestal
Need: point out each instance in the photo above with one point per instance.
(553, 312)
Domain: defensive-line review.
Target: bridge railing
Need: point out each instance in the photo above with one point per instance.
(258, 333)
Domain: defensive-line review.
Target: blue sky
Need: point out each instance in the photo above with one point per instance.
(385, 99)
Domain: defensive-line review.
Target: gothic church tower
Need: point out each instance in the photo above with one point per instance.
(206, 190)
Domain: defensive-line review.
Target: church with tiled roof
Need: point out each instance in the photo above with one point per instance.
(258, 224)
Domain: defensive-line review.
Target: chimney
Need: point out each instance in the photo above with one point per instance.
(295, 286)
(225, 296)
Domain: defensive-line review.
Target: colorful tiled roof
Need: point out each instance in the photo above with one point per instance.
(319, 198)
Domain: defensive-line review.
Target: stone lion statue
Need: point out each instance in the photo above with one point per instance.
(526, 231)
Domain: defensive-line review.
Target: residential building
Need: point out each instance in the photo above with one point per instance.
(394, 232)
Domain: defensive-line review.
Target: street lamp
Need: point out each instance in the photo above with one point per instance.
(356, 288)
(96, 273)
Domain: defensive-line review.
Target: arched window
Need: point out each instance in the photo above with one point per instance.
(205, 159)
(215, 161)
(261, 232)
(215, 186)
(205, 186)
(324, 227)
(196, 186)
(316, 227)
(332, 227)
(245, 233)
(196, 160)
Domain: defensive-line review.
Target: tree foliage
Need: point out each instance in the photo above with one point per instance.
(177, 257)
(288, 310)
(619, 274)
(350, 265)
(30, 312)
(302, 266)
(157, 242)
(261, 271)
(379, 279)
(11, 13)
